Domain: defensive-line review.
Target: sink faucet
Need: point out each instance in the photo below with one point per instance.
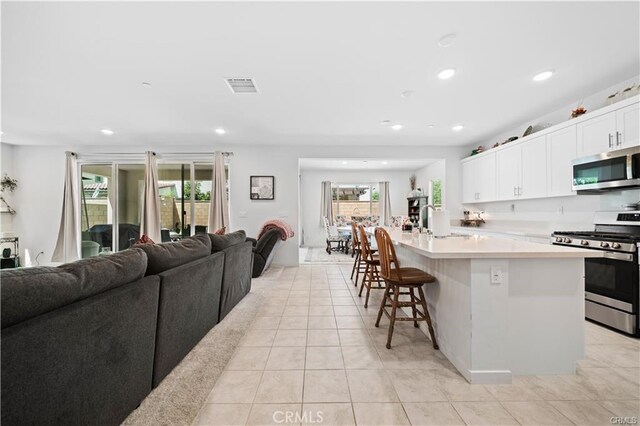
(420, 218)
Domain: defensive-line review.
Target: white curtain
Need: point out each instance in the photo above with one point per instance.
(326, 206)
(150, 212)
(68, 247)
(384, 204)
(219, 209)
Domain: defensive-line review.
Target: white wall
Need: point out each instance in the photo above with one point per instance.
(310, 196)
(40, 171)
(591, 101)
(433, 171)
(6, 166)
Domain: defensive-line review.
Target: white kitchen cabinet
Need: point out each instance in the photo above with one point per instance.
(614, 130)
(561, 150)
(522, 170)
(479, 179)
(508, 175)
(486, 178)
(469, 194)
(533, 169)
(596, 135)
(628, 126)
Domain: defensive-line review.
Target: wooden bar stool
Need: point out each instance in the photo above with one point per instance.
(358, 263)
(372, 262)
(398, 279)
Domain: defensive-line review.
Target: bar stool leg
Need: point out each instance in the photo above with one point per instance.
(394, 304)
(370, 283)
(355, 263)
(384, 301)
(414, 301)
(358, 268)
(364, 279)
(428, 318)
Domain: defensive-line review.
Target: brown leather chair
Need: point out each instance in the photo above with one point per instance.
(398, 279)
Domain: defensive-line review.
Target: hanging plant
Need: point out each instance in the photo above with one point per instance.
(8, 183)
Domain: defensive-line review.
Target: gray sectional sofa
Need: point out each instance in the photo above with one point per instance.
(85, 343)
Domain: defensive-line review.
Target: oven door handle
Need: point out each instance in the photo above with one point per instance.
(626, 257)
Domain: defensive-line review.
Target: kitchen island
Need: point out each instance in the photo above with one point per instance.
(502, 307)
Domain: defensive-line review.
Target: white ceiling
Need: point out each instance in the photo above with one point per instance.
(354, 164)
(328, 72)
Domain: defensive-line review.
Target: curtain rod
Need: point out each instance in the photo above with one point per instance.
(226, 154)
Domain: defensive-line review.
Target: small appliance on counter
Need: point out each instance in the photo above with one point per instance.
(440, 223)
(612, 282)
(472, 219)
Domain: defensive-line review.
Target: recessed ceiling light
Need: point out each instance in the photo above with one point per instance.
(385, 162)
(447, 40)
(146, 84)
(220, 131)
(345, 162)
(543, 75)
(396, 126)
(107, 132)
(407, 93)
(457, 127)
(446, 74)
(385, 122)
(430, 126)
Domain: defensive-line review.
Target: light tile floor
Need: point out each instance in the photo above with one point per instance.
(313, 356)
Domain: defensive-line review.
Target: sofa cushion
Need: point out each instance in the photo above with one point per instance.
(221, 242)
(162, 257)
(28, 292)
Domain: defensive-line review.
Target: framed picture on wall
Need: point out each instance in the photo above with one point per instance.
(262, 187)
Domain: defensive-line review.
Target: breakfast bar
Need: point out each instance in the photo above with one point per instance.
(502, 307)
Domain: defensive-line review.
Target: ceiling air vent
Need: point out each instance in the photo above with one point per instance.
(242, 85)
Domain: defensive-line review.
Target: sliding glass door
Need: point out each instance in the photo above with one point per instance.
(111, 203)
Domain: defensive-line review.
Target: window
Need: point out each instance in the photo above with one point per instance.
(435, 187)
(96, 208)
(111, 202)
(355, 199)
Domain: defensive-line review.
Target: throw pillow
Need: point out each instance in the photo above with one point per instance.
(144, 239)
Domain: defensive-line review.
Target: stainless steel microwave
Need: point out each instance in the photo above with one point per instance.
(609, 171)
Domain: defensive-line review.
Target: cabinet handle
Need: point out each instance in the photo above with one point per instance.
(610, 140)
(618, 138)
(515, 191)
(519, 191)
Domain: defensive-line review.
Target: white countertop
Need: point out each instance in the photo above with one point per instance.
(506, 231)
(477, 247)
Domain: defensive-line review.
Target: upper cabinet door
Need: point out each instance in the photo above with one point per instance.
(533, 180)
(597, 135)
(468, 182)
(561, 150)
(628, 127)
(486, 177)
(508, 176)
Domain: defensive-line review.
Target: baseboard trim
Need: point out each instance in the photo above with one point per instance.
(490, 377)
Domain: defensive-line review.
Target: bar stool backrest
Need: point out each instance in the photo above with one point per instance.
(387, 254)
(365, 247)
(355, 241)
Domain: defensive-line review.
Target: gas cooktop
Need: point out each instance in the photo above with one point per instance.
(601, 236)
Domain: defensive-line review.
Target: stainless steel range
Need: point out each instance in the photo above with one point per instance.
(612, 282)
